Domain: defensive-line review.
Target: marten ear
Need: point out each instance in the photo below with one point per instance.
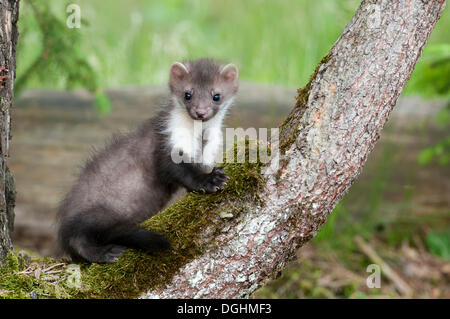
(178, 71)
(229, 73)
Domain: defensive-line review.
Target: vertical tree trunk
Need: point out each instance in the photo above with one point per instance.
(9, 14)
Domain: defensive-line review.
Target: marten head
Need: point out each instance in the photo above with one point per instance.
(203, 87)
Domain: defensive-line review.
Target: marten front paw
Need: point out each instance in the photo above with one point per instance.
(215, 181)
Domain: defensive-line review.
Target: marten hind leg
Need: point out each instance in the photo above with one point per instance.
(84, 236)
(100, 235)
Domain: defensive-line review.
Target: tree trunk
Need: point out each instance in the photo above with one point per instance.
(325, 142)
(9, 15)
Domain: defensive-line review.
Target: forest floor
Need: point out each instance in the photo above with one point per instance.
(397, 213)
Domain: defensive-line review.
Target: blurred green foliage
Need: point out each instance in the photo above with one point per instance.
(439, 243)
(432, 74)
(54, 54)
(102, 103)
(439, 152)
(432, 80)
(134, 42)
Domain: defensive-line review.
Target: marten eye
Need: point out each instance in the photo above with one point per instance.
(216, 97)
(187, 96)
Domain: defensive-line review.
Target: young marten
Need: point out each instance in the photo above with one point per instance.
(135, 176)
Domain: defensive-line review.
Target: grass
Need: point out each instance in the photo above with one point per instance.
(134, 42)
(438, 243)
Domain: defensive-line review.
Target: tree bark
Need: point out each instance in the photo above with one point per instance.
(325, 142)
(9, 15)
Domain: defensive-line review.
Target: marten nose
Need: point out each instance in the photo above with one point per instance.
(201, 113)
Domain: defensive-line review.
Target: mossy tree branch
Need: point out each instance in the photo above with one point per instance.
(228, 244)
(325, 142)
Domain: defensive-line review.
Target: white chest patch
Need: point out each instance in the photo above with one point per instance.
(194, 141)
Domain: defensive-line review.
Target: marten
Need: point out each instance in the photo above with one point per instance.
(136, 174)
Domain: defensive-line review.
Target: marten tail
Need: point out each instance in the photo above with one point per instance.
(137, 237)
(89, 236)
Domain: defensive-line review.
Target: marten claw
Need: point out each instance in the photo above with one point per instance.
(216, 180)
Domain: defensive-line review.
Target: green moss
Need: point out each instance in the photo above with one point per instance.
(289, 128)
(20, 286)
(11, 262)
(20, 278)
